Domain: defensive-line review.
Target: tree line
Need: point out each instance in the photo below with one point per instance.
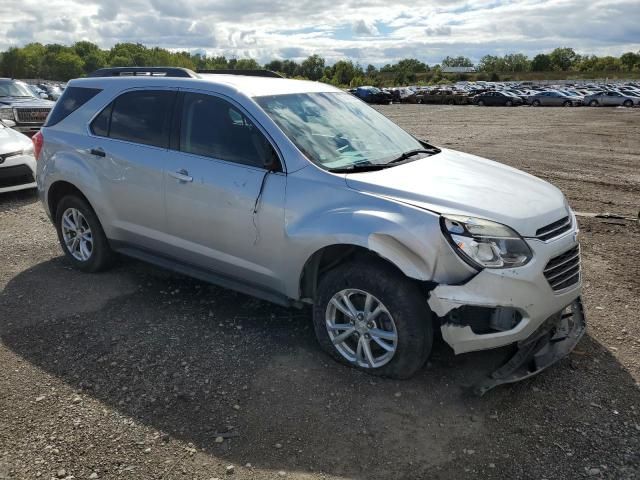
(61, 62)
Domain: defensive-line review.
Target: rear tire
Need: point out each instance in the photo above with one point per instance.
(81, 236)
(628, 103)
(404, 311)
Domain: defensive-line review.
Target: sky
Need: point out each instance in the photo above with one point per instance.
(366, 31)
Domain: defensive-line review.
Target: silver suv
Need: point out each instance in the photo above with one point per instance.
(299, 193)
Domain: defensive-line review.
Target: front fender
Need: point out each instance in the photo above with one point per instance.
(323, 214)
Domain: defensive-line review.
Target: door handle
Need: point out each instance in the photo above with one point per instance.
(98, 152)
(181, 175)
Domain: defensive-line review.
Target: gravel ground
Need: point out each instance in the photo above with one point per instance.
(138, 373)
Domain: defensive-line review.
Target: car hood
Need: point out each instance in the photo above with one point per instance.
(458, 183)
(25, 102)
(12, 141)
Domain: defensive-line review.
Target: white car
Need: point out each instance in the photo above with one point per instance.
(17, 163)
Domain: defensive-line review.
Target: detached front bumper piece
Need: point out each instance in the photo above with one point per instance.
(553, 340)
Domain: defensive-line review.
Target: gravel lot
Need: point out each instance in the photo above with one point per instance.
(142, 374)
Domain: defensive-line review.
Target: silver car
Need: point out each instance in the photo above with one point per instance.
(299, 193)
(553, 98)
(611, 99)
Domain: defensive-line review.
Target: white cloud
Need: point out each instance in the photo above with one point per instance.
(362, 28)
(375, 31)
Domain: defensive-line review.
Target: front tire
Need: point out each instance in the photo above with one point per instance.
(567, 104)
(535, 103)
(81, 236)
(371, 317)
(480, 103)
(593, 103)
(509, 103)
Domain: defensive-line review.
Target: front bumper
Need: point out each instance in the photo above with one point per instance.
(552, 341)
(523, 291)
(17, 173)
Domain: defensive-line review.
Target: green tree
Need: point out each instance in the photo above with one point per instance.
(491, 63)
(562, 58)
(630, 60)
(312, 67)
(274, 66)
(66, 65)
(247, 64)
(541, 63)
(456, 62)
(411, 65)
(33, 57)
(14, 63)
(516, 62)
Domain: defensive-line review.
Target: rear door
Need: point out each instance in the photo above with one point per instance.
(128, 147)
(225, 210)
(610, 99)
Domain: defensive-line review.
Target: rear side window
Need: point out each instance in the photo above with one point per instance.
(71, 100)
(141, 117)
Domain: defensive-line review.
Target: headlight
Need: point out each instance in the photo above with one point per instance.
(6, 114)
(485, 244)
(28, 150)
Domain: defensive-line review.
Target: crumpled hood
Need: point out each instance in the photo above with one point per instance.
(456, 182)
(26, 102)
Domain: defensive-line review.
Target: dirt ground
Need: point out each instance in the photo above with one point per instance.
(138, 373)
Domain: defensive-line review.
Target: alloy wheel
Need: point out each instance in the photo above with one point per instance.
(361, 328)
(76, 234)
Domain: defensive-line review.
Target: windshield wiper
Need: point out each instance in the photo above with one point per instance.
(412, 153)
(359, 167)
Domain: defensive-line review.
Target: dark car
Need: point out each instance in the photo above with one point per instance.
(19, 105)
(500, 99)
(372, 95)
(445, 97)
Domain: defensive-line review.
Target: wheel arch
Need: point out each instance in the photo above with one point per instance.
(330, 256)
(60, 189)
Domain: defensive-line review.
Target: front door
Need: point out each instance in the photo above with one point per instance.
(225, 210)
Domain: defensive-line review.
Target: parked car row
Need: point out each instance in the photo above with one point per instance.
(21, 108)
(48, 91)
(507, 94)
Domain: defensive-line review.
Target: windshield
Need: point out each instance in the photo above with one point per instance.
(337, 130)
(14, 89)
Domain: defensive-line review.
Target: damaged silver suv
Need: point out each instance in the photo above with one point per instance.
(299, 193)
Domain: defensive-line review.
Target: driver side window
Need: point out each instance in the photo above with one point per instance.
(212, 127)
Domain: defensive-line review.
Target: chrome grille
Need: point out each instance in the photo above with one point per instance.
(31, 115)
(554, 229)
(563, 271)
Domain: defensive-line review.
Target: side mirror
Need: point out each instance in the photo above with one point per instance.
(8, 123)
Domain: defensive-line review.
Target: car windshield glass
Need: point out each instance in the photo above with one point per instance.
(337, 130)
(14, 89)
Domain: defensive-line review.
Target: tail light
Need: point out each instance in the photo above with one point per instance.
(38, 141)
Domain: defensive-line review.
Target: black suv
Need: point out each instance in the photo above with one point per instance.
(19, 105)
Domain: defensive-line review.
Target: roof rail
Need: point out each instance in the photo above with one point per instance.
(247, 72)
(144, 71)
